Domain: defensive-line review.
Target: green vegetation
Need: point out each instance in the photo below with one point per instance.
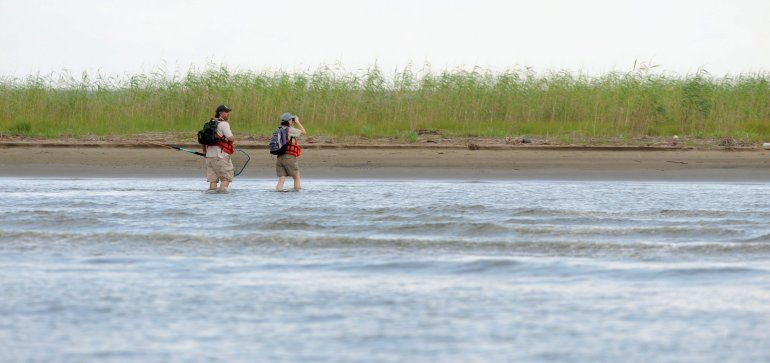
(373, 104)
(409, 136)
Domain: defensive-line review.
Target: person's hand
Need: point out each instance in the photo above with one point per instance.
(296, 119)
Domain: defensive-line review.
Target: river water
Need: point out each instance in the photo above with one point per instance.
(157, 270)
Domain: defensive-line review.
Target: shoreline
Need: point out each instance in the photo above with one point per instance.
(394, 162)
(423, 141)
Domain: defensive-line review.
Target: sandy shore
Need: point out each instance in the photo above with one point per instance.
(401, 163)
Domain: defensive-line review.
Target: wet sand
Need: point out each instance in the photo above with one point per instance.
(401, 163)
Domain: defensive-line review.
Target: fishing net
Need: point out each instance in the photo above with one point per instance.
(240, 159)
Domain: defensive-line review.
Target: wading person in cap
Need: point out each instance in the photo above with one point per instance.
(219, 166)
(286, 164)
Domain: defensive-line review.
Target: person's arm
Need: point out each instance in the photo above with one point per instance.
(299, 125)
(228, 135)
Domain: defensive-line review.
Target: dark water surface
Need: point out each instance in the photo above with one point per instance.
(156, 270)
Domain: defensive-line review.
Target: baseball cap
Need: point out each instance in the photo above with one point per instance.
(287, 116)
(223, 108)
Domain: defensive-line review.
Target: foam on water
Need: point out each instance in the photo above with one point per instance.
(158, 270)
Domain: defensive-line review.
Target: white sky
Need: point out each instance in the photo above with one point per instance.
(118, 37)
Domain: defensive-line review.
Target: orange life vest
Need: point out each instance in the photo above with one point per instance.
(293, 148)
(227, 146)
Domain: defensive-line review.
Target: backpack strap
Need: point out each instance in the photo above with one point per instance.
(286, 133)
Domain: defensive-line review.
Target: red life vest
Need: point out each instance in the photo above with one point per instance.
(293, 148)
(227, 146)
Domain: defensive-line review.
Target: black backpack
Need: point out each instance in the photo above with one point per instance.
(208, 135)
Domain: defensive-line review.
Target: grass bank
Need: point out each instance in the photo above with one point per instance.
(373, 104)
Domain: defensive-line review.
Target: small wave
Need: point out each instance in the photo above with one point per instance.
(61, 220)
(394, 218)
(693, 213)
(651, 271)
(111, 260)
(486, 265)
(646, 214)
(462, 266)
(461, 228)
(227, 244)
(654, 231)
(717, 270)
(538, 267)
(431, 209)
(762, 238)
(393, 265)
(279, 225)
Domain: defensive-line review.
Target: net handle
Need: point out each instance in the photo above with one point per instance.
(248, 158)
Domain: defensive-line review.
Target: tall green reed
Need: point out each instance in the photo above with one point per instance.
(373, 103)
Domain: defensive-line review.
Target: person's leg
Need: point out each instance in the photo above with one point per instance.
(225, 173)
(211, 174)
(292, 167)
(224, 185)
(296, 181)
(219, 171)
(280, 171)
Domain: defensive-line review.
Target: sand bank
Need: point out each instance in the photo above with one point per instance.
(401, 163)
